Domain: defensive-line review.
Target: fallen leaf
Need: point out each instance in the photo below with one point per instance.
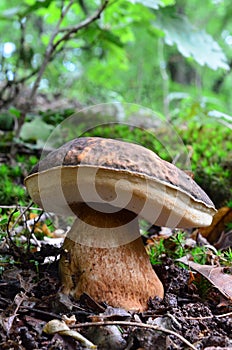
(225, 240)
(91, 303)
(215, 274)
(219, 224)
(111, 313)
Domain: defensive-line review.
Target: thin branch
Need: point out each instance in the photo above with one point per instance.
(21, 214)
(31, 232)
(14, 207)
(30, 75)
(208, 317)
(8, 230)
(83, 24)
(52, 46)
(135, 324)
(49, 51)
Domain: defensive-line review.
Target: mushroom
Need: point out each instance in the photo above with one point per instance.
(107, 185)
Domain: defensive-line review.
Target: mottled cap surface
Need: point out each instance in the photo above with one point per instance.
(119, 155)
(167, 190)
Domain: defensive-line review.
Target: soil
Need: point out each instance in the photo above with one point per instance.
(191, 308)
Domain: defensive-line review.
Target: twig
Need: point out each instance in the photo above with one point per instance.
(49, 51)
(208, 317)
(38, 311)
(174, 320)
(8, 230)
(135, 324)
(14, 207)
(31, 235)
(52, 46)
(81, 25)
(21, 214)
(31, 231)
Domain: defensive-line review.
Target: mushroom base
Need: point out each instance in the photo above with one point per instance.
(120, 275)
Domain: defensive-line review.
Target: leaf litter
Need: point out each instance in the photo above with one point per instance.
(195, 312)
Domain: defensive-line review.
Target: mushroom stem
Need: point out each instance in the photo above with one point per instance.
(106, 267)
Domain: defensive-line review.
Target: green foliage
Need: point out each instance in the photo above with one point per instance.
(56, 117)
(210, 145)
(6, 121)
(9, 191)
(199, 254)
(35, 131)
(176, 246)
(178, 240)
(156, 252)
(12, 190)
(191, 42)
(111, 57)
(154, 4)
(228, 257)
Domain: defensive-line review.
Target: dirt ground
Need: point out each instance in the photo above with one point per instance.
(191, 315)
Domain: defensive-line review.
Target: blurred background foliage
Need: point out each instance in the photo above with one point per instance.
(172, 57)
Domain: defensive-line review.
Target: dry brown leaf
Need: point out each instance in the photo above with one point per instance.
(219, 224)
(225, 240)
(111, 313)
(215, 274)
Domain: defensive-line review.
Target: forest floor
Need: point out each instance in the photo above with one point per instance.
(191, 315)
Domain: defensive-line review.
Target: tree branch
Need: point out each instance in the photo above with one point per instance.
(83, 24)
(49, 51)
(53, 46)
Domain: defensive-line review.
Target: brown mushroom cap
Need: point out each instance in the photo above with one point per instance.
(88, 168)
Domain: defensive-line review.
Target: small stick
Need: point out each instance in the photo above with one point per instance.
(23, 207)
(21, 214)
(208, 317)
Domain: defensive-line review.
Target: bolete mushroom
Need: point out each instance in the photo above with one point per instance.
(107, 184)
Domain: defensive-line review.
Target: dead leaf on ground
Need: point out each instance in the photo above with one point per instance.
(215, 274)
(220, 221)
(111, 314)
(225, 240)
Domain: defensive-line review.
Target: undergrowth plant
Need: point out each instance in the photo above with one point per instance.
(12, 190)
(22, 232)
(176, 246)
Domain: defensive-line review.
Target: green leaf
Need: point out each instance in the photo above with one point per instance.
(36, 6)
(190, 41)
(9, 13)
(111, 37)
(168, 2)
(36, 130)
(154, 4)
(3, 221)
